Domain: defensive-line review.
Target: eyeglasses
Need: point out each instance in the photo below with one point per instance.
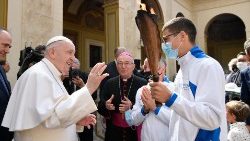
(165, 38)
(124, 63)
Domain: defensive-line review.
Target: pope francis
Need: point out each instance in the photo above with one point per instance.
(40, 109)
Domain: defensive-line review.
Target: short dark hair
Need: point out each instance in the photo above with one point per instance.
(181, 24)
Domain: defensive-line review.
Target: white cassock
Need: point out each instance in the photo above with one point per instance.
(40, 108)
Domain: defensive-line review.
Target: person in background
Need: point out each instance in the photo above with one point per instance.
(241, 63)
(145, 71)
(154, 119)
(119, 96)
(5, 90)
(245, 81)
(76, 78)
(233, 70)
(237, 112)
(112, 71)
(40, 108)
(198, 102)
(6, 66)
(75, 81)
(32, 58)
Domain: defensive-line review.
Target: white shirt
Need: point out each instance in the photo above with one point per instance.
(155, 125)
(40, 108)
(238, 132)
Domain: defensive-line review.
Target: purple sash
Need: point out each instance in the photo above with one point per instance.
(119, 120)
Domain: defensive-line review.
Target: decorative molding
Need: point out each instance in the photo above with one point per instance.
(110, 3)
(94, 20)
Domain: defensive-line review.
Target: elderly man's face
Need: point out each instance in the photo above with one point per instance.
(64, 54)
(125, 66)
(5, 44)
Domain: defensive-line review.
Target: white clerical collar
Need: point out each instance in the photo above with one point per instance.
(54, 70)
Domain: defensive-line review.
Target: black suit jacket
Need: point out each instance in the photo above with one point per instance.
(112, 87)
(245, 89)
(245, 85)
(4, 94)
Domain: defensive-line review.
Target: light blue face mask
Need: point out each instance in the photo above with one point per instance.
(169, 51)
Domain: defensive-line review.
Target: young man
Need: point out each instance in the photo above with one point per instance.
(40, 108)
(198, 102)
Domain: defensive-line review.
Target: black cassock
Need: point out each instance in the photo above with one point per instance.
(119, 89)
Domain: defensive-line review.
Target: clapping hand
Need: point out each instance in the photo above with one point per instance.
(148, 101)
(125, 105)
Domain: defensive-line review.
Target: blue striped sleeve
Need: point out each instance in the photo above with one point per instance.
(157, 110)
(171, 100)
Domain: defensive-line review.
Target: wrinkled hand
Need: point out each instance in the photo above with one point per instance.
(160, 92)
(87, 121)
(78, 81)
(109, 104)
(125, 105)
(148, 101)
(95, 77)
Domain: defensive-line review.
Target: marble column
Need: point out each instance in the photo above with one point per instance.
(120, 27)
(32, 23)
(111, 21)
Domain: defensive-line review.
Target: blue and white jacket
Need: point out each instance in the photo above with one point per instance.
(155, 124)
(198, 103)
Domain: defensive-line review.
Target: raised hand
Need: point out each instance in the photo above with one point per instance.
(87, 121)
(109, 104)
(95, 77)
(125, 105)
